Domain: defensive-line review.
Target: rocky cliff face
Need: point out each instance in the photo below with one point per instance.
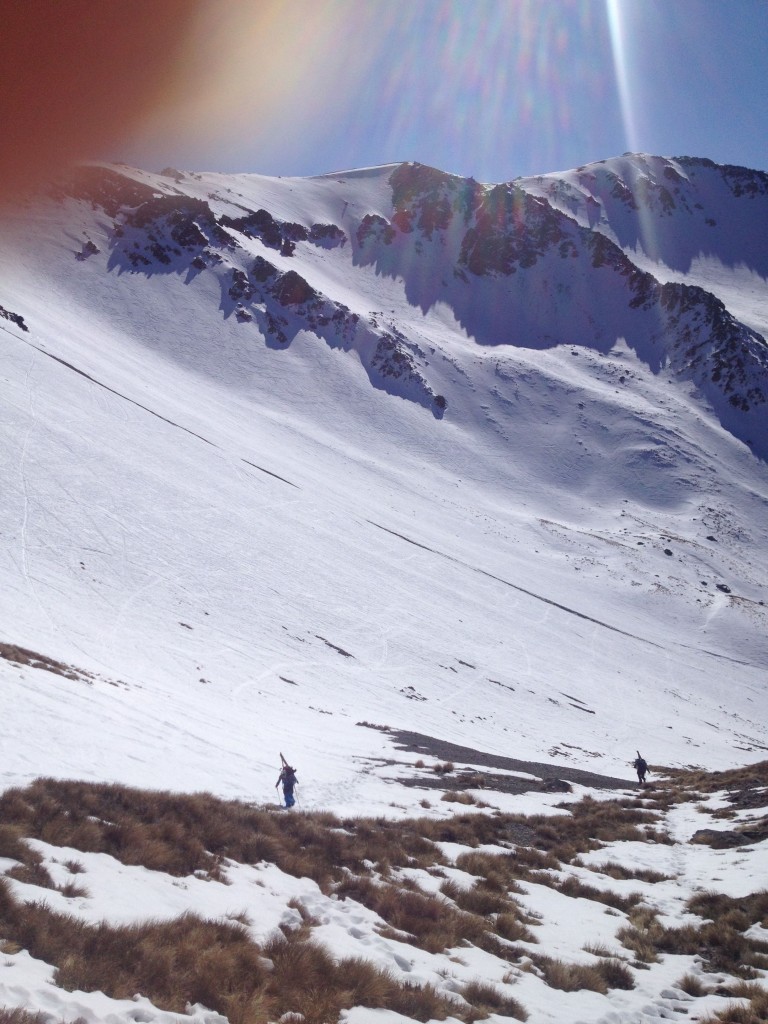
(535, 263)
(172, 232)
(517, 248)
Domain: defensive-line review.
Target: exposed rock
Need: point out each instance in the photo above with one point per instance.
(291, 289)
(327, 235)
(512, 229)
(241, 287)
(555, 786)
(374, 228)
(14, 318)
(272, 233)
(262, 269)
(722, 839)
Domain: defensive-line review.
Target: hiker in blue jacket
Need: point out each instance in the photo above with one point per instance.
(288, 780)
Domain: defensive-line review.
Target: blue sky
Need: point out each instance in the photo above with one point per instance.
(488, 88)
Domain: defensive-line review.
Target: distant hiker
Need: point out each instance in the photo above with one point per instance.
(641, 767)
(287, 779)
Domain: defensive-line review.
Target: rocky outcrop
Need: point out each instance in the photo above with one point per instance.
(14, 318)
(550, 263)
(291, 289)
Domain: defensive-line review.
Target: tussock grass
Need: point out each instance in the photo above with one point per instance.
(11, 843)
(755, 1012)
(616, 973)
(30, 868)
(692, 985)
(14, 1015)
(71, 890)
(601, 977)
(622, 873)
(587, 825)
(183, 834)
(172, 963)
(454, 797)
(514, 927)
(316, 986)
(572, 886)
(739, 912)
(216, 963)
(499, 872)
(694, 782)
(190, 960)
(33, 872)
(486, 999)
(431, 924)
(598, 949)
(720, 946)
(481, 900)
(719, 943)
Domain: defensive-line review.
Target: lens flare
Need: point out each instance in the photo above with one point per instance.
(621, 62)
(464, 87)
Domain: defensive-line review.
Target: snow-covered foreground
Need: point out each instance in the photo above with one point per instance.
(565, 927)
(242, 547)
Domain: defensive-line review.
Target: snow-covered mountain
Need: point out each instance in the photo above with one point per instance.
(334, 466)
(283, 455)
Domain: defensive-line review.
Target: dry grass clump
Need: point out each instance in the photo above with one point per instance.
(719, 943)
(739, 912)
(529, 858)
(307, 980)
(12, 844)
(430, 924)
(588, 824)
(14, 1015)
(755, 1012)
(514, 927)
(72, 890)
(172, 962)
(622, 873)
(32, 872)
(598, 949)
(641, 934)
(183, 834)
(469, 829)
(692, 985)
(616, 973)
(572, 886)
(720, 946)
(486, 999)
(455, 797)
(190, 960)
(498, 872)
(600, 977)
(481, 900)
(747, 777)
(30, 868)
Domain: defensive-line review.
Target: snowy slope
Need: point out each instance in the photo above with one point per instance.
(286, 458)
(205, 496)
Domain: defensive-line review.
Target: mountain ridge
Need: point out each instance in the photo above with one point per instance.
(488, 232)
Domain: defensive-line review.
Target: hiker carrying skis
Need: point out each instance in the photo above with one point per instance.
(287, 778)
(641, 767)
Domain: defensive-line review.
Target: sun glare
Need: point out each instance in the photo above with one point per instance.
(621, 69)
